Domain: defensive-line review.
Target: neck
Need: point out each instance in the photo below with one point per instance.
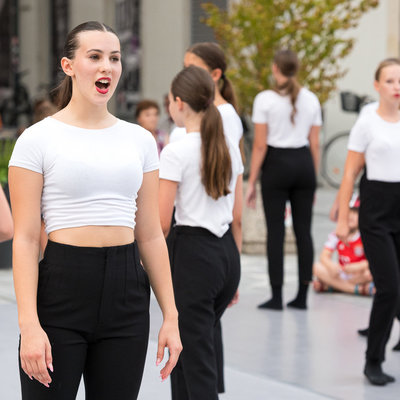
(218, 99)
(280, 79)
(86, 115)
(193, 122)
(389, 110)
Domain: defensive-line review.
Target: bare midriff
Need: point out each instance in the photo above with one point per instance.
(94, 236)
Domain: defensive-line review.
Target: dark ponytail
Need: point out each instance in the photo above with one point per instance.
(214, 57)
(194, 86)
(288, 65)
(63, 92)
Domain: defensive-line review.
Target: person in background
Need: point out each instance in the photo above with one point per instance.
(202, 175)
(351, 273)
(287, 123)
(374, 146)
(84, 309)
(167, 124)
(6, 223)
(147, 115)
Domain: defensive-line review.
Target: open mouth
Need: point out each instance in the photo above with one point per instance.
(102, 85)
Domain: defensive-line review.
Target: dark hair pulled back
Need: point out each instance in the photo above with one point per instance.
(288, 65)
(63, 92)
(194, 86)
(214, 57)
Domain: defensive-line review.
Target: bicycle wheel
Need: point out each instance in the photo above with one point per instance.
(334, 155)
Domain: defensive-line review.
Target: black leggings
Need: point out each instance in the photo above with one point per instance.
(288, 174)
(93, 303)
(380, 233)
(205, 273)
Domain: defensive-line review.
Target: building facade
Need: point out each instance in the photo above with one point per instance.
(154, 36)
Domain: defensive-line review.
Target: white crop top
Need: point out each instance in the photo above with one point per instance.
(273, 109)
(379, 140)
(90, 176)
(181, 162)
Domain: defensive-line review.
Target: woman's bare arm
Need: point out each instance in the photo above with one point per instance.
(154, 254)
(313, 139)
(6, 223)
(25, 191)
(354, 164)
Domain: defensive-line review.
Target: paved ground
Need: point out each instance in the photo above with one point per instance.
(314, 354)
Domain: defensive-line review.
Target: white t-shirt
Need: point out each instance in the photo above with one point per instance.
(370, 107)
(273, 109)
(181, 162)
(379, 140)
(233, 127)
(90, 176)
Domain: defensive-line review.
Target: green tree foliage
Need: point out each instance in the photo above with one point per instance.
(252, 30)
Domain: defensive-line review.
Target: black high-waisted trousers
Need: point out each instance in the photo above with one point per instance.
(380, 233)
(288, 174)
(93, 303)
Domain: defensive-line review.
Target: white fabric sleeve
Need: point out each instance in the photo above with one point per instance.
(151, 161)
(28, 152)
(359, 137)
(332, 242)
(260, 108)
(317, 120)
(170, 165)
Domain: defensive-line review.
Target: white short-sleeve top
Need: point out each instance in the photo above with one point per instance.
(181, 162)
(232, 124)
(379, 140)
(90, 176)
(273, 109)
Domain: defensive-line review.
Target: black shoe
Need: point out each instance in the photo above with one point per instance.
(300, 305)
(375, 375)
(397, 347)
(272, 304)
(389, 378)
(363, 332)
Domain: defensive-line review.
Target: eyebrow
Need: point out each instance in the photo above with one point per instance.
(101, 51)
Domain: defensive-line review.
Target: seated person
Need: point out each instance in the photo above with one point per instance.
(351, 273)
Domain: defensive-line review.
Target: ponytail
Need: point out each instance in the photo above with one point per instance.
(288, 65)
(194, 86)
(290, 88)
(216, 170)
(227, 91)
(63, 92)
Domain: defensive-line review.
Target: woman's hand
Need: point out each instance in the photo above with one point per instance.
(35, 354)
(250, 197)
(235, 299)
(168, 337)
(342, 231)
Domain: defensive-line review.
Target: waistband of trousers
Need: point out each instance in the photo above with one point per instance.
(193, 230)
(61, 253)
(287, 149)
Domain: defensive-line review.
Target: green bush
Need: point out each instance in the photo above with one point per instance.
(6, 148)
(252, 30)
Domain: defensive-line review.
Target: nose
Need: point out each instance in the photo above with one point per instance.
(106, 65)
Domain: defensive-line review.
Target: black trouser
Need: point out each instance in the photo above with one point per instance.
(288, 174)
(93, 303)
(380, 233)
(206, 273)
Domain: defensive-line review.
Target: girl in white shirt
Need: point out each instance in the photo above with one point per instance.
(85, 309)
(211, 57)
(374, 143)
(287, 122)
(202, 174)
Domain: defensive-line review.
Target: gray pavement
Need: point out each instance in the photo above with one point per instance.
(314, 354)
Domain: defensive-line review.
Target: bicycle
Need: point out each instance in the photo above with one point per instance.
(334, 151)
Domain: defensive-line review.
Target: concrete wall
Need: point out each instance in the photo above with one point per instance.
(165, 35)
